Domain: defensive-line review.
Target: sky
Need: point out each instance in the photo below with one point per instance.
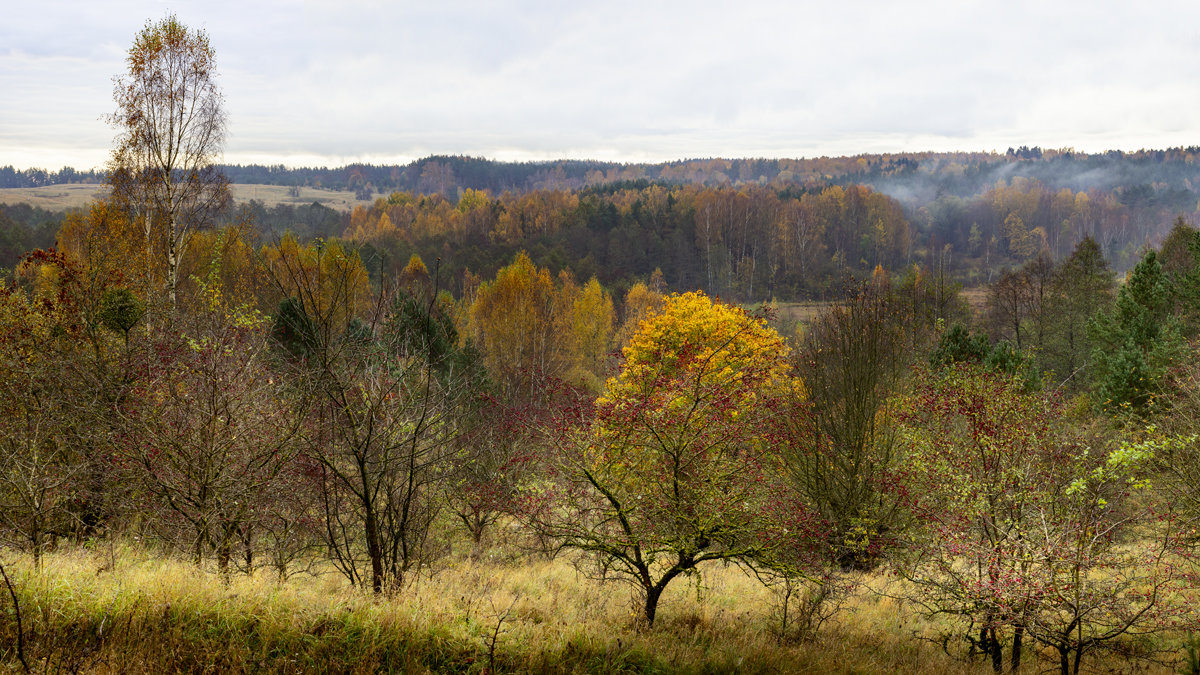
(331, 83)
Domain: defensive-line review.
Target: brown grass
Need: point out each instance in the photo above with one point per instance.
(795, 317)
(128, 611)
(976, 298)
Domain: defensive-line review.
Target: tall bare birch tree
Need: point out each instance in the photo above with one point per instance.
(171, 125)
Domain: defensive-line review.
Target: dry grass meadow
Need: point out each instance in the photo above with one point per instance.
(64, 197)
(124, 609)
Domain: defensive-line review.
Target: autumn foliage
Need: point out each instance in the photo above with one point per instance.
(463, 377)
(675, 470)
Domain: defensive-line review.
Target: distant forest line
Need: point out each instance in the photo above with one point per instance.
(921, 173)
(745, 229)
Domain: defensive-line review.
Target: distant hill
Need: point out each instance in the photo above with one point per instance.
(912, 178)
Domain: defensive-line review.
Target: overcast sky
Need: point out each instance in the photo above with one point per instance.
(328, 83)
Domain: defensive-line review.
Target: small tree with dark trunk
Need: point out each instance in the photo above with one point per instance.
(41, 470)
(58, 379)
(837, 437)
(676, 470)
(498, 454)
(389, 390)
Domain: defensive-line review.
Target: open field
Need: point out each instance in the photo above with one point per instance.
(63, 197)
(125, 610)
(801, 314)
(976, 298)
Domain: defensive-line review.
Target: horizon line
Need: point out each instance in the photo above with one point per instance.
(399, 162)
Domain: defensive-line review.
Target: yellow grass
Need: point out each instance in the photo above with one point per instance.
(63, 197)
(802, 313)
(128, 611)
(976, 298)
(52, 197)
(797, 316)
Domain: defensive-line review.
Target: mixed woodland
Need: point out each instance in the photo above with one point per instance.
(746, 230)
(361, 395)
(433, 432)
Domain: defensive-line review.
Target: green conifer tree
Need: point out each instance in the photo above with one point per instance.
(1135, 342)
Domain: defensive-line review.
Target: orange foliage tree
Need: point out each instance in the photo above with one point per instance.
(521, 323)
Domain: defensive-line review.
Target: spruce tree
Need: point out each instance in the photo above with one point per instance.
(1135, 342)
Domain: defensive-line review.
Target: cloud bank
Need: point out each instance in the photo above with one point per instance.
(329, 83)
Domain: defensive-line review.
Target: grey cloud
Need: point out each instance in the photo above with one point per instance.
(630, 79)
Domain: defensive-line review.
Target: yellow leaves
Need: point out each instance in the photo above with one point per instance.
(641, 302)
(360, 227)
(214, 301)
(25, 330)
(104, 243)
(528, 323)
(374, 223)
(521, 322)
(329, 279)
(716, 346)
(681, 433)
(591, 326)
(472, 199)
(415, 269)
(46, 279)
(223, 263)
(385, 227)
(1021, 242)
(415, 279)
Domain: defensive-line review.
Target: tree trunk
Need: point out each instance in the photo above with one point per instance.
(374, 551)
(997, 651)
(1018, 637)
(224, 555)
(198, 549)
(989, 644)
(37, 539)
(476, 541)
(172, 265)
(653, 593)
(248, 541)
(225, 549)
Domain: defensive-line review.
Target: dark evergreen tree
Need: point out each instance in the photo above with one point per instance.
(1180, 256)
(959, 346)
(1135, 342)
(420, 329)
(294, 330)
